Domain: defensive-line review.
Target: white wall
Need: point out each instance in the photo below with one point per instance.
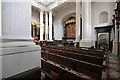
(58, 18)
(97, 8)
(35, 15)
(0, 44)
(100, 7)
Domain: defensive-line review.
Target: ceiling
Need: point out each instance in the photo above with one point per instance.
(64, 6)
(45, 2)
(54, 5)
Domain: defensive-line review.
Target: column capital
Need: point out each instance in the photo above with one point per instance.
(50, 11)
(40, 10)
(46, 12)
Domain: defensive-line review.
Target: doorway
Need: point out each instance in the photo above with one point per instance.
(103, 37)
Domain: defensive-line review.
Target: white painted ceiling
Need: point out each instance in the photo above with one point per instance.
(46, 2)
(64, 6)
(54, 5)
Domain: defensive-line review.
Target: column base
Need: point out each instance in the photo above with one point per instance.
(85, 43)
(18, 56)
(46, 36)
(50, 40)
(77, 41)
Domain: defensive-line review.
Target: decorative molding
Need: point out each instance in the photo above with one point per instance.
(48, 7)
(38, 5)
(20, 52)
(12, 40)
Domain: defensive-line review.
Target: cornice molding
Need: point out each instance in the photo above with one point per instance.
(49, 6)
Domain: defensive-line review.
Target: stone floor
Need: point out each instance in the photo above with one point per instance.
(113, 67)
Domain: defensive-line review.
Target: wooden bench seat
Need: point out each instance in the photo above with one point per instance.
(92, 70)
(63, 74)
(86, 52)
(86, 62)
(87, 58)
(81, 51)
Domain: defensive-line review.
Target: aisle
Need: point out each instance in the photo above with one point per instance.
(112, 66)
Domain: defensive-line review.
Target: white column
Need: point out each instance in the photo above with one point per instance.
(41, 25)
(46, 25)
(86, 24)
(93, 31)
(115, 49)
(14, 25)
(78, 12)
(50, 25)
(115, 42)
(0, 19)
(0, 42)
(19, 52)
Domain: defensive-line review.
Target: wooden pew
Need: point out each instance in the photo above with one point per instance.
(63, 74)
(92, 70)
(81, 51)
(86, 52)
(80, 62)
(87, 58)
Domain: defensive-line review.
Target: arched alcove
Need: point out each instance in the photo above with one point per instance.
(69, 24)
(103, 17)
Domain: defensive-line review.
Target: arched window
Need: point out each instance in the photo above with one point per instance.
(103, 17)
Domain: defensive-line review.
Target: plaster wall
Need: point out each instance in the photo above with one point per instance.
(58, 21)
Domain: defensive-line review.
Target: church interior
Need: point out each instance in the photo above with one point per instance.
(59, 39)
